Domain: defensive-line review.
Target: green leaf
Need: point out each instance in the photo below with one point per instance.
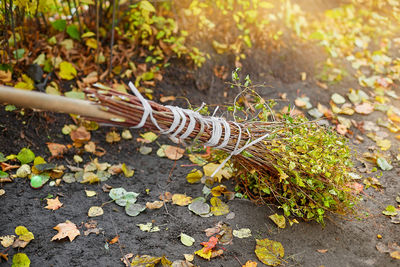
(128, 198)
(73, 32)
(10, 108)
(134, 209)
(269, 251)
(117, 193)
(390, 211)
(25, 156)
(187, 240)
(20, 260)
(2, 158)
(59, 24)
(383, 164)
(3, 174)
(19, 53)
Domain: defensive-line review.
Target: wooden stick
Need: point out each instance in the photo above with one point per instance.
(36, 100)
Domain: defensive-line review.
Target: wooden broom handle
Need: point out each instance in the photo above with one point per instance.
(61, 104)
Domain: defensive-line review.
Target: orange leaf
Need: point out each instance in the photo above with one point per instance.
(250, 263)
(114, 240)
(210, 244)
(53, 204)
(56, 150)
(67, 229)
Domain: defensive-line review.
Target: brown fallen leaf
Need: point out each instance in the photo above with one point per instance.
(56, 150)
(113, 137)
(164, 99)
(154, 205)
(53, 204)
(322, 250)
(80, 135)
(4, 256)
(5, 166)
(174, 152)
(66, 229)
(166, 197)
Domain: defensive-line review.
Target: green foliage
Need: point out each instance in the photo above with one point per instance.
(306, 167)
(73, 32)
(59, 25)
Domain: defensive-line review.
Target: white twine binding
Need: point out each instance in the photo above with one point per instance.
(219, 127)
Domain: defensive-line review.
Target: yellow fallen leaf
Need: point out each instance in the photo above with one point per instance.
(223, 172)
(67, 71)
(95, 211)
(269, 252)
(26, 84)
(181, 200)
(90, 193)
(279, 220)
(92, 43)
(250, 263)
(194, 176)
(206, 256)
(384, 144)
(218, 207)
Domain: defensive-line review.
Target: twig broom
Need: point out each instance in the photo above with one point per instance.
(299, 164)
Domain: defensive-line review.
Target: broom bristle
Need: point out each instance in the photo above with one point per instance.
(301, 165)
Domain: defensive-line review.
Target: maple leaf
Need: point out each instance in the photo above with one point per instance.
(210, 244)
(67, 229)
(53, 204)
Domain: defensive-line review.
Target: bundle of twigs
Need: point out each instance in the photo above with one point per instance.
(303, 166)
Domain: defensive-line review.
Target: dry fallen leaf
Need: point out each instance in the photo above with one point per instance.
(53, 204)
(95, 211)
(56, 150)
(80, 135)
(181, 200)
(166, 197)
(154, 205)
(7, 240)
(66, 229)
(250, 263)
(174, 152)
(365, 108)
(322, 250)
(114, 240)
(112, 137)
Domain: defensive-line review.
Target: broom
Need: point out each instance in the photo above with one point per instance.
(301, 165)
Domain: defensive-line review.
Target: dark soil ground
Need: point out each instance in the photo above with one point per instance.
(348, 242)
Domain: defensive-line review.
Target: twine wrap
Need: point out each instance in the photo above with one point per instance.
(179, 124)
